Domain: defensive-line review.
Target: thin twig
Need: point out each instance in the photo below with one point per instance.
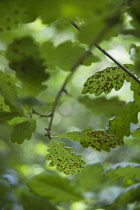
(118, 63)
(109, 24)
(73, 69)
(113, 59)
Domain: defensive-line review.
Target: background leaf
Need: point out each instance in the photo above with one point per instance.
(7, 115)
(22, 131)
(64, 56)
(32, 201)
(8, 91)
(91, 177)
(108, 107)
(25, 60)
(126, 172)
(136, 134)
(130, 195)
(55, 188)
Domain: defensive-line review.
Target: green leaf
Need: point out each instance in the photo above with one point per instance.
(22, 49)
(7, 115)
(63, 159)
(25, 59)
(22, 131)
(18, 13)
(135, 87)
(55, 188)
(106, 80)
(64, 56)
(8, 91)
(5, 130)
(91, 177)
(98, 140)
(32, 201)
(70, 9)
(136, 134)
(120, 125)
(87, 31)
(134, 12)
(130, 195)
(109, 107)
(123, 171)
(103, 13)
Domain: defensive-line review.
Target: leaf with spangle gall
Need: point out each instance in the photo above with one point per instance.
(98, 140)
(106, 80)
(63, 159)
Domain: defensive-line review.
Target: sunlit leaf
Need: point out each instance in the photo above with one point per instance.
(98, 140)
(63, 159)
(106, 80)
(55, 188)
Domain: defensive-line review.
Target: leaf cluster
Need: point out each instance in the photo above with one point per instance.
(43, 46)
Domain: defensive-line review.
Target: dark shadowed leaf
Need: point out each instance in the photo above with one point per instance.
(25, 59)
(31, 201)
(64, 56)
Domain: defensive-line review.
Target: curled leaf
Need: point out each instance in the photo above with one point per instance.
(98, 140)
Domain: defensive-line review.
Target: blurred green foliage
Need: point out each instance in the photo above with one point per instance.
(46, 53)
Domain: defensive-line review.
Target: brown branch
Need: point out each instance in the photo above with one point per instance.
(111, 22)
(113, 59)
(118, 63)
(73, 69)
